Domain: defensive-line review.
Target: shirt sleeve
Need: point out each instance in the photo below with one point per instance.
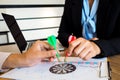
(3, 57)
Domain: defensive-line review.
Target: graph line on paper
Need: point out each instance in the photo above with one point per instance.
(87, 64)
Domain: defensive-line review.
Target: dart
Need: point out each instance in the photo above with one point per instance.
(53, 42)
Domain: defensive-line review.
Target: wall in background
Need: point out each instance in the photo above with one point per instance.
(28, 2)
(37, 19)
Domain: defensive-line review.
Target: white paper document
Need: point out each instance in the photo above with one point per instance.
(73, 69)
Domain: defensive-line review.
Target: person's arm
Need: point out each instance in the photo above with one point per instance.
(65, 25)
(39, 50)
(15, 60)
(109, 47)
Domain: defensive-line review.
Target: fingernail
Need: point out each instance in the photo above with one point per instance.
(67, 54)
(51, 59)
(54, 53)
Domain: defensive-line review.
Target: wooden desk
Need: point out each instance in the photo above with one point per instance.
(115, 66)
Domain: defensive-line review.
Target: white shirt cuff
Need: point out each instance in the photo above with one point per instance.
(3, 57)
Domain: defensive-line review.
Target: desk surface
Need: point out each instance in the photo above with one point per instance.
(114, 62)
(115, 66)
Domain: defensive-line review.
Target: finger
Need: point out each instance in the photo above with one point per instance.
(51, 59)
(48, 46)
(87, 48)
(95, 38)
(89, 56)
(80, 47)
(47, 54)
(70, 49)
(43, 45)
(84, 53)
(73, 45)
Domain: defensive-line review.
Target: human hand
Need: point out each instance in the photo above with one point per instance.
(40, 50)
(83, 48)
